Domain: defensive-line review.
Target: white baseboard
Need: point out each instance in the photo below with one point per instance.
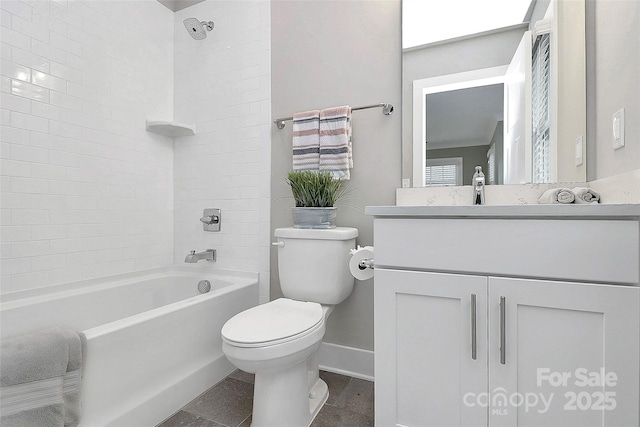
(350, 361)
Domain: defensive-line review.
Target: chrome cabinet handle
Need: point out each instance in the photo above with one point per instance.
(503, 332)
(474, 339)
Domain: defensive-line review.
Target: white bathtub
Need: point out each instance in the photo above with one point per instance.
(153, 341)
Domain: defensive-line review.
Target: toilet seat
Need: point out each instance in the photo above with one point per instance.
(273, 323)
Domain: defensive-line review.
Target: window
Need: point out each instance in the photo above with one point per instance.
(540, 152)
(441, 172)
(491, 163)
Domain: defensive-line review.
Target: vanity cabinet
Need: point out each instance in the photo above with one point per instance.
(459, 342)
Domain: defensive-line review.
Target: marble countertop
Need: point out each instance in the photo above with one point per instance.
(599, 211)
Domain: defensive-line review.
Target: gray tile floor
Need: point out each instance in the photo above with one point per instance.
(229, 404)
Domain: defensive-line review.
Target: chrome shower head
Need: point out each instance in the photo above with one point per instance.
(197, 28)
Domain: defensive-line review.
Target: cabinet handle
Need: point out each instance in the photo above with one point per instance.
(474, 341)
(503, 332)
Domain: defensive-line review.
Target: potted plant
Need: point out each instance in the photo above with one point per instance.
(315, 194)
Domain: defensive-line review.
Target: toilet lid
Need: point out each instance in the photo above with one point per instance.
(274, 321)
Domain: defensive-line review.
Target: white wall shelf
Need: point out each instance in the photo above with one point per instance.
(171, 129)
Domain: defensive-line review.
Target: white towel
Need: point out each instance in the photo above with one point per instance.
(306, 140)
(586, 195)
(557, 195)
(40, 378)
(336, 154)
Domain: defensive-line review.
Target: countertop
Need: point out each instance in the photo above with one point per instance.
(557, 211)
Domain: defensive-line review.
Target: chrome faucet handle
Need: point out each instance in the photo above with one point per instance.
(213, 219)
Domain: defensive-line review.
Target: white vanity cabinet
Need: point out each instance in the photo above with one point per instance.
(507, 319)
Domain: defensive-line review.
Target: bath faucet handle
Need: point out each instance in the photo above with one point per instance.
(213, 219)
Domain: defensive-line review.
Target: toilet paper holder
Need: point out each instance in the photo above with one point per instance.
(366, 263)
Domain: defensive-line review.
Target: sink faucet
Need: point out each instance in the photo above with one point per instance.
(193, 257)
(478, 186)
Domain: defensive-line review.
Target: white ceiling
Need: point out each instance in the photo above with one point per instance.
(463, 117)
(176, 5)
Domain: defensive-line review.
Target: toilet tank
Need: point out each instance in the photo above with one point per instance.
(313, 264)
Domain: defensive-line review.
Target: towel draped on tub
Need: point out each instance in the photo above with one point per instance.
(40, 377)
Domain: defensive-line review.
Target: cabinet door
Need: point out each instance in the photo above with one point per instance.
(425, 362)
(571, 354)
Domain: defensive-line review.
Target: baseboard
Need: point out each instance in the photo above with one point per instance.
(350, 361)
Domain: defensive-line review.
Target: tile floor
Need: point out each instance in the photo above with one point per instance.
(229, 404)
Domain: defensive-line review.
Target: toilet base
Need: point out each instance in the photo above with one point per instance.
(284, 399)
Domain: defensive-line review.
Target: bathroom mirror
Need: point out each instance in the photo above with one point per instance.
(470, 100)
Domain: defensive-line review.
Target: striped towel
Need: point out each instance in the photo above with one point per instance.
(335, 141)
(306, 140)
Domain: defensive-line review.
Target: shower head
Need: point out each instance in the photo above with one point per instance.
(197, 28)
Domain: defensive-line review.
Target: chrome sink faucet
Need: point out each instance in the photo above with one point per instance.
(478, 186)
(193, 257)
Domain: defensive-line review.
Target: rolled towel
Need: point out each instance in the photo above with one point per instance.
(557, 195)
(586, 195)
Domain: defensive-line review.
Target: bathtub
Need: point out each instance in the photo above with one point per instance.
(153, 341)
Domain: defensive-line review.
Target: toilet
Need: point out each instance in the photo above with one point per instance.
(279, 341)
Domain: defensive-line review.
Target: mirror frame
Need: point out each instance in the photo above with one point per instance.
(568, 89)
(445, 83)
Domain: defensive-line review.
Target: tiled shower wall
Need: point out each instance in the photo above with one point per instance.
(222, 84)
(86, 191)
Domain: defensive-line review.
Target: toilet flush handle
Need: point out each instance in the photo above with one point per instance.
(279, 244)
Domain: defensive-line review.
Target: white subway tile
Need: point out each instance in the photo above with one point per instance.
(48, 262)
(15, 233)
(15, 71)
(47, 80)
(66, 101)
(15, 103)
(15, 266)
(28, 90)
(30, 248)
(15, 168)
(5, 18)
(5, 84)
(28, 59)
(65, 246)
(29, 185)
(48, 232)
(5, 117)
(25, 121)
(29, 216)
(31, 29)
(48, 51)
(47, 111)
(14, 38)
(65, 72)
(21, 282)
(18, 8)
(66, 44)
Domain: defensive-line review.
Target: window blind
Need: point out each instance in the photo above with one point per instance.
(442, 172)
(541, 163)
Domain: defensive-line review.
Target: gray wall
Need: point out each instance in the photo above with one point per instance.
(328, 53)
(464, 54)
(613, 82)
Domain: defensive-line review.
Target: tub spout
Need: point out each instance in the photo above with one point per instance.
(193, 257)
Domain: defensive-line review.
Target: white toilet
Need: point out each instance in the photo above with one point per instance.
(279, 341)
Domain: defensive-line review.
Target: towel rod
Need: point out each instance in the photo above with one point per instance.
(387, 109)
